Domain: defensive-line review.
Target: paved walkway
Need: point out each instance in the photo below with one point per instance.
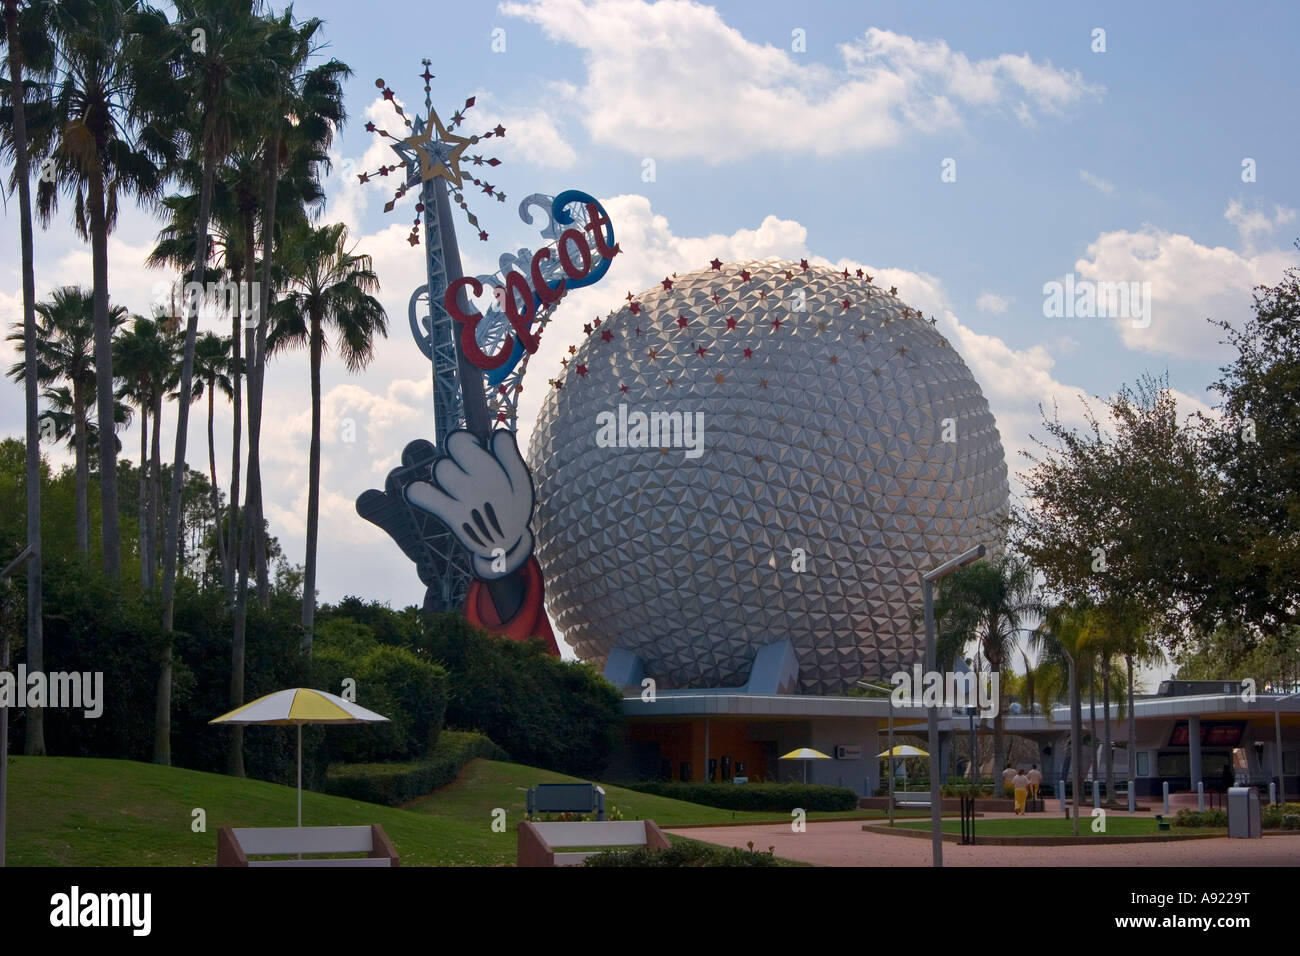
(844, 843)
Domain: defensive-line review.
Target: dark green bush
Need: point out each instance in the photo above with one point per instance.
(560, 715)
(685, 853)
(393, 784)
(410, 692)
(754, 796)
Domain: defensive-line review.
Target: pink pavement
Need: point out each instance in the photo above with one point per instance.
(844, 843)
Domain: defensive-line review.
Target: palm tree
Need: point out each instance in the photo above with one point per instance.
(296, 134)
(989, 602)
(65, 353)
(26, 38)
(146, 359)
(219, 82)
(307, 108)
(330, 287)
(100, 151)
(212, 367)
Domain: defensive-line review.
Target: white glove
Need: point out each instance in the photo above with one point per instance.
(485, 496)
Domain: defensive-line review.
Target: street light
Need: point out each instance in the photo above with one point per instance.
(890, 758)
(974, 554)
(1076, 737)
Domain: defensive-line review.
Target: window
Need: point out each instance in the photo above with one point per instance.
(1173, 765)
(1143, 764)
(1288, 761)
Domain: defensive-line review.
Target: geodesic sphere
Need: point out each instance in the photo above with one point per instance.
(846, 448)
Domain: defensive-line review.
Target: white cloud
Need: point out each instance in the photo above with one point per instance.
(1190, 283)
(672, 79)
(1096, 182)
(1254, 225)
(991, 302)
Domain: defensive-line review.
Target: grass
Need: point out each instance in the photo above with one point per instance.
(71, 811)
(487, 784)
(1053, 826)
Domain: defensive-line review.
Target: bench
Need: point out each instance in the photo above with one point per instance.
(537, 841)
(236, 844)
(911, 801)
(566, 798)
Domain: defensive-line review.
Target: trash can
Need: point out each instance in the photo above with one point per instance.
(1243, 813)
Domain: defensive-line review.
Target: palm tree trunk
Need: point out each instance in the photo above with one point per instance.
(35, 743)
(1132, 724)
(230, 566)
(1092, 715)
(235, 755)
(110, 532)
(212, 471)
(146, 565)
(1106, 748)
(313, 491)
(272, 162)
(83, 468)
(162, 747)
(155, 486)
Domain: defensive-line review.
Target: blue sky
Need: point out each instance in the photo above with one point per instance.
(1123, 165)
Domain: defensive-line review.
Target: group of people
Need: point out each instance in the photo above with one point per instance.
(1023, 784)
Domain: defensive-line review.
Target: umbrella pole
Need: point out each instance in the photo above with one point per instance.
(300, 775)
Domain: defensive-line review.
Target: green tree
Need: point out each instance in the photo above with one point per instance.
(65, 353)
(989, 602)
(212, 366)
(100, 150)
(330, 286)
(28, 52)
(219, 72)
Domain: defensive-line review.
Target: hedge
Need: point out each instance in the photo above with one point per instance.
(393, 784)
(754, 796)
(685, 853)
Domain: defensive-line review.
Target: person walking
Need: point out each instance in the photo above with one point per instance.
(1020, 783)
(1007, 774)
(1035, 781)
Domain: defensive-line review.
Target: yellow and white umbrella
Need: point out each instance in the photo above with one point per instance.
(298, 706)
(903, 750)
(805, 753)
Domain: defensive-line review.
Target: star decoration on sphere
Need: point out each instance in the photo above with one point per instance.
(667, 283)
(893, 290)
(607, 335)
(716, 264)
(681, 321)
(437, 151)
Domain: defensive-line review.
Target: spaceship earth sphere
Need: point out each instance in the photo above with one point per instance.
(845, 449)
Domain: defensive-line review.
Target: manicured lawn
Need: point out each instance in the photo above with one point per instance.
(68, 811)
(1055, 826)
(487, 784)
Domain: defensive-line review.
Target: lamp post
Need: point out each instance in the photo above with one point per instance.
(974, 554)
(889, 761)
(1076, 737)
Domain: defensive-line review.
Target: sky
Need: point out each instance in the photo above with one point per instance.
(968, 154)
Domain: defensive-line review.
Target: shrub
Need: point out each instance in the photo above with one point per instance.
(1291, 821)
(1275, 817)
(754, 796)
(1197, 818)
(393, 784)
(410, 692)
(560, 715)
(685, 853)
